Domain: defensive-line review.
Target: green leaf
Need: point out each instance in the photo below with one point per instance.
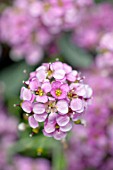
(102, 1)
(12, 78)
(44, 143)
(75, 56)
(38, 141)
(59, 160)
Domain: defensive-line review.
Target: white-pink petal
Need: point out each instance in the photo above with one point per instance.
(32, 122)
(39, 108)
(80, 90)
(47, 134)
(27, 106)
(56, 65)
(40, 118)
(89, 91)
(34, 84)
(25, 94)
(52, 118)
(67, 68)
(42, 99)
(64, 87)
(46, 87)
(41, 74)
(77, 105)
(62, 120)
(58, 135)
(72, 76)
(59, 74)
(62, 106)
(49, 128)
(66, 128)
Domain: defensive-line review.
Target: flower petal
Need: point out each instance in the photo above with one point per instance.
(27, 106)
(42, 99)
(40, 118)
(52, 118)
(58, 135)
(46, 87)
(56, 84)
(34, 84)
(59, 74)
(62, 106)
(67, 68)
(64, 87)
(72, 76)
(32, 122)
(25, 94)
(39, 108)
(66, 128)
(56, 65)
(47, 134)
(62, 120)
(49, 128)
(41, 74)
(77, 105)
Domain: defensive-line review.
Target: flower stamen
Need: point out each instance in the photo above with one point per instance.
(40, 92)
(58, 92)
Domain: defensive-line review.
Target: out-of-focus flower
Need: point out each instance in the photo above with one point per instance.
(8, 134)
(22, 163)
(56, 95)
(104, 59)
(95, 21)
(91, 147)
(30, 27)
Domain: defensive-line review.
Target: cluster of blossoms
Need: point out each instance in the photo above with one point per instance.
(8, 134)
(91, 147)
(104, 59)
(56, 95)
(94, 33)
(30, 26)
(94, 23)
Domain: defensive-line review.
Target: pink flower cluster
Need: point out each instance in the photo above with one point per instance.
(30, 26)
(56, 95)
(104, 58)
(92, 147)
(94, 33)
(94, 23)
(8, 134)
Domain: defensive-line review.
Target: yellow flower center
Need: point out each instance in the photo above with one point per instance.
(58, 92)
(57, 126)
(49, 73)
(70, 95)
(47, 6)
(40, 92)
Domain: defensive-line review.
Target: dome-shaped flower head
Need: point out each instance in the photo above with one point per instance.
(55, 95)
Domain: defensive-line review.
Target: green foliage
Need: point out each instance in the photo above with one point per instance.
(54, 147)
(12, 78)
(100, 1)
(72, 54)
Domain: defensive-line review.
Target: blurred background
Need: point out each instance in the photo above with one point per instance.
(80, 33)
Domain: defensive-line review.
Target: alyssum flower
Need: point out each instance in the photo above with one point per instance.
(56, 95)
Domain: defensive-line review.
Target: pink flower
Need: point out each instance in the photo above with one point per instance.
(41, 92)
(59, 90)
(26, 94)
(55, 98)
(60, 125)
